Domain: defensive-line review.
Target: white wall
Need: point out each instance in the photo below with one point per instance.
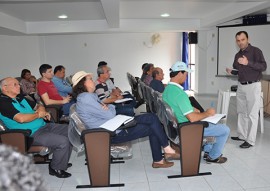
(206, 61)
(124, 52)
(17, 53)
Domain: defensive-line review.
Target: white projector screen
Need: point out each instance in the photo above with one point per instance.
(259, 36)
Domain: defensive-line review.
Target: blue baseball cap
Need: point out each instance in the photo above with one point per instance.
(180, 66)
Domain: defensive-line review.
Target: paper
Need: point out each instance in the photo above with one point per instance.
(122, 100)
(116, 122)
(214, 119)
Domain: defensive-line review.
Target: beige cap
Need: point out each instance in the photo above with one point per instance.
(78, 76)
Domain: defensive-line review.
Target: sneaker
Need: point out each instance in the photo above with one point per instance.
(219, 160)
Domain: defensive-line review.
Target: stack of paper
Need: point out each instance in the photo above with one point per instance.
(116, 122)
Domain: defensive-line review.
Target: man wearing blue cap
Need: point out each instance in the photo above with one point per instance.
(178, 100)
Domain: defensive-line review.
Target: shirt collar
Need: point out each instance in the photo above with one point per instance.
(178, 85)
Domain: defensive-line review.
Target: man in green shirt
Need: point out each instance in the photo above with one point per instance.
(178, 100)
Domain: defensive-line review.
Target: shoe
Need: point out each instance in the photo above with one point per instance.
(237, 139)
(139, 103)
(205, 155)
(172, 156)
(245, 145)
(219, 160)
(64, 119)
(175, 147)
(59, 173)
(165, 164)
(69, 165)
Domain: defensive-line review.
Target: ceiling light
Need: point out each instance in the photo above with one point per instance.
(62, 16)
(165, 15)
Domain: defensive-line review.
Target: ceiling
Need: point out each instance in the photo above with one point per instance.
(39, 17)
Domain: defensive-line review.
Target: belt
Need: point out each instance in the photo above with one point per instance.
(249, 82)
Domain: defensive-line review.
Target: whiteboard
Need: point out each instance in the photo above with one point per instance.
(259, 36)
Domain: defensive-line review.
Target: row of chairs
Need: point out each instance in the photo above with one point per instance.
(187, 136)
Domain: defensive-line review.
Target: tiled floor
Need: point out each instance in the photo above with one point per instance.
(246, 169)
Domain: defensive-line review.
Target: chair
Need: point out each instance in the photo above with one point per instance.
(97, 146)
(189, 137)
(21, 141)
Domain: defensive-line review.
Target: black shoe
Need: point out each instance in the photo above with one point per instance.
(245, 145)
(205, 155)
(59, 173)
(237, 139)
(138, 104)
(69, 165)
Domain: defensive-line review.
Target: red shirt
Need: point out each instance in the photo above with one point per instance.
(49, 88)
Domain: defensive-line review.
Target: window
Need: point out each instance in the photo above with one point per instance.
(192, 66)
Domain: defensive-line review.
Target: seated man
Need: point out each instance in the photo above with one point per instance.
(63, 87)
(157, 85)
(19, 113)
(106, 97)
(178, 100)
(48, 92)
(115, 90)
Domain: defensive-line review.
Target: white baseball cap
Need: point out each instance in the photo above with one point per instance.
(180, 66)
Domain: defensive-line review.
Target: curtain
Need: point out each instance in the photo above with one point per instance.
(185, 57)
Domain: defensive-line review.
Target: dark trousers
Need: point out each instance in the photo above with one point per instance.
(55, 136)
(147, 125)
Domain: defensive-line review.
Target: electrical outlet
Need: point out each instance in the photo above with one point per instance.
(213, 35)
(212, 59)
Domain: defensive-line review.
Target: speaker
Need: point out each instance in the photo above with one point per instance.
(192, 38)
(255, 19)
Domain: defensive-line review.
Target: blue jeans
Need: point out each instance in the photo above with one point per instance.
(124, 109)
(221, 132)
(66, 107)
(147, 125)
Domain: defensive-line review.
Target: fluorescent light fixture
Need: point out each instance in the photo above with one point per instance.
(165, 15)
(62, 16)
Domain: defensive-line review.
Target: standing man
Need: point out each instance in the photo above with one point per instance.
(249, 63)
(178, 100)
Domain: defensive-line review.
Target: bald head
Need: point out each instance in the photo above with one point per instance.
(158, 74)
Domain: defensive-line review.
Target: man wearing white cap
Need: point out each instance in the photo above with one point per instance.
(178, 100)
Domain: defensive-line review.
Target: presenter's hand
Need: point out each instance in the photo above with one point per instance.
(243, 60)
(229, 71)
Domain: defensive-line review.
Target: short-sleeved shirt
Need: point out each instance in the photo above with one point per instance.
(63, 87)
(157, 85)
(102, 90)
(50, 89)
(110, 85)
(9, 107)
(178, 100)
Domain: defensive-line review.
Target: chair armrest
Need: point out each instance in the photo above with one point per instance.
(204, 123)
(16, 138)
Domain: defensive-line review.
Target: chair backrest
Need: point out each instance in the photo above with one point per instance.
(171, 123)
(75, 128)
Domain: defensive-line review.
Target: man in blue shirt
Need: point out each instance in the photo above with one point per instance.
(63, 87)
(19, 113)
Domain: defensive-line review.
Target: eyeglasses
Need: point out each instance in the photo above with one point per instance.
(14, 85)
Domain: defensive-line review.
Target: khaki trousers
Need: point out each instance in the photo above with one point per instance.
(248, 105)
